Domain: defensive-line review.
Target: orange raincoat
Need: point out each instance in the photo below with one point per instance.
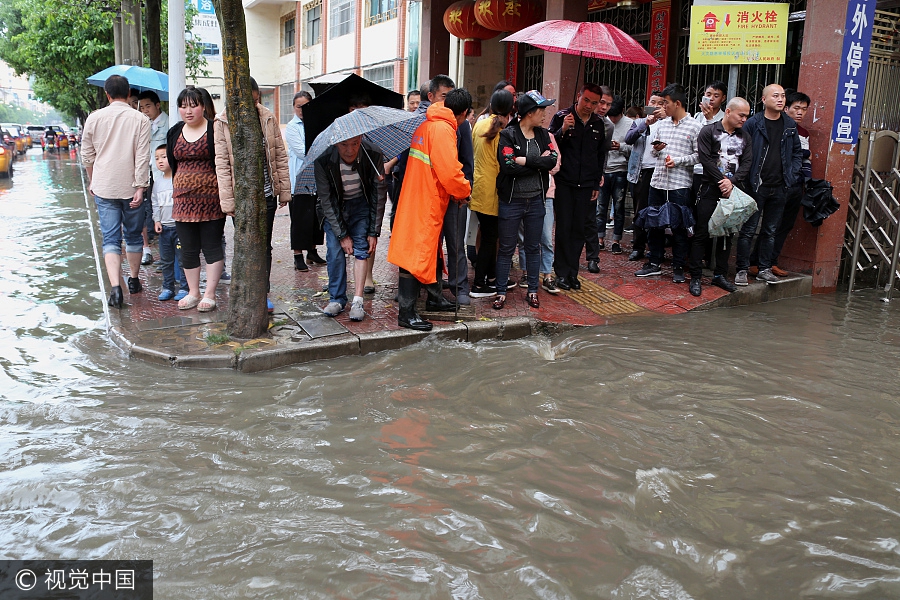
(433, 174)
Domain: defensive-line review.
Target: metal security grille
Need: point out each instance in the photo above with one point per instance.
(625, 79)
(880, 107)
(533, 78)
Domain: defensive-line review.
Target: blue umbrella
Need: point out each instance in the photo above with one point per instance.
(389, 129)
(668, 214)
(140, 78)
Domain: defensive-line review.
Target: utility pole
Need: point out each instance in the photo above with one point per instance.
(176, 57)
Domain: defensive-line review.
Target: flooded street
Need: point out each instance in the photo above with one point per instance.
(737, 453)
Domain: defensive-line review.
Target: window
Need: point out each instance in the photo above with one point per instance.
(285, 102)
(288, 23)
(381, 11)
(383, 76)
(341, 18)
(313, 34)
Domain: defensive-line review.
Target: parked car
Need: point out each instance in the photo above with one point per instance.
(18, 138)
(37, 132)
(27, 135)
(7, 153)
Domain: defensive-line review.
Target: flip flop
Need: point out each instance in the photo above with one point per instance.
(188, 302)
(206, 305)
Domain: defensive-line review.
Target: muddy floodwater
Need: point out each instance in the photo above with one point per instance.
(737, 453)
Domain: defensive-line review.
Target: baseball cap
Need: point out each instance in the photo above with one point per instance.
(532, 99)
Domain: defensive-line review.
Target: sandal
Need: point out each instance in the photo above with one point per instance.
(533, 301)
(206, 305)
(499, 302)
(188, 302)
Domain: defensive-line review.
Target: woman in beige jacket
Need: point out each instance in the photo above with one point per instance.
(275, 168)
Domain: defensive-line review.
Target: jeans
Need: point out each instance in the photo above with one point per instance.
(116, 215)
(657, 237)
(170, 259)
(455, 237)
(572, 208)
(356, 219)
(546, 241)
(613, 190)
(770, 201)
(531, 212)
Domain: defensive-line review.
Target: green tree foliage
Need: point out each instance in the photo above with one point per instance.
(60, 48)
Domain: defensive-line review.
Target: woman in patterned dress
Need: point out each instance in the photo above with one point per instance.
(199, 220)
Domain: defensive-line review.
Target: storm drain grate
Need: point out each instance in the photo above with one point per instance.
(601, 301)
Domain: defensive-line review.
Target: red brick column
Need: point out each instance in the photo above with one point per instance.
(817, 251)
(561, 76)
(434, 53)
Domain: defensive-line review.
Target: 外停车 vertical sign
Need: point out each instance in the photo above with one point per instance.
(660, 15)
(731, 33)
(854, 68)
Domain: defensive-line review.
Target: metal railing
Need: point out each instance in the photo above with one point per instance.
(872, 235)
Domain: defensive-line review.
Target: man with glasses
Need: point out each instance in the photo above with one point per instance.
(581, 137)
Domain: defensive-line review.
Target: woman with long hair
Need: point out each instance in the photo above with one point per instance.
(199, 220)
(526, 155)
(501, 85)
(485, 140)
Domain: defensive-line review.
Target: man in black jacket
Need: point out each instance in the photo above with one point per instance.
(725, 153)
(581, 137)
(351, 192)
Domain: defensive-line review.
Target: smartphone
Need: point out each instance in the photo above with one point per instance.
(658, 144)
(705, 99)
(649, 110)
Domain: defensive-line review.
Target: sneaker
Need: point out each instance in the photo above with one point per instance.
(463, 300)
(610, 225)
(648, 270)
(629, 230)
(550, 285)
(147, 259)
(225, 278)
(616, 248)
(523, 280)
(183, 292)
(166, 295)
(740, 278)
(333, 309)
(357, 312)
(678, 275)
(483, 291)
(602, 246)
(767, 275)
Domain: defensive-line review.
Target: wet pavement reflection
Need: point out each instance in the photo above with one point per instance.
(737, 453)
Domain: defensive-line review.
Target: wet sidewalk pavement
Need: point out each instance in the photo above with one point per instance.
(159, 332)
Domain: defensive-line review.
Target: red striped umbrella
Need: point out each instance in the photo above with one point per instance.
(594, 40)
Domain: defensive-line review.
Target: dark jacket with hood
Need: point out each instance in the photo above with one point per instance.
(791, 150)
(330, 188)
(513, 144)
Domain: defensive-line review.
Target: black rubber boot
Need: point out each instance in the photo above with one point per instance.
(436, 300)
(408, 293)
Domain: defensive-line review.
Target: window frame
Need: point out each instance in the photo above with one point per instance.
(285, 48)
(307, 32)
(336, 27)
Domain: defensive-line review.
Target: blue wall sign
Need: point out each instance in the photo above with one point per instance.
(854, 67)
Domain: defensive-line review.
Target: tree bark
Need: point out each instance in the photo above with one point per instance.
(247, 314)
(154, 38)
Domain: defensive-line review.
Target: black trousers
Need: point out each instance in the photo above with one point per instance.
(305, 231)
(486, 261)
(197, 236)
(788, 220)
(640, 192)
(591, 233)
(573, 211)
(706, 205)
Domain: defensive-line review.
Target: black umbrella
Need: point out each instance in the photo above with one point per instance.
(335, 102)
(818, 202)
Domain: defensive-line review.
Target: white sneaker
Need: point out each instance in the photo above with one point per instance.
(147, 258)
(357, 312)
(333, 309)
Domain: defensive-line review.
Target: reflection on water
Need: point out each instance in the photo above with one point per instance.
(743, 453)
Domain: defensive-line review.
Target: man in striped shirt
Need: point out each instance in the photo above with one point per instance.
(675, 149)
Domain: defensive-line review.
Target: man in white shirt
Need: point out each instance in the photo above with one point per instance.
(115, 150)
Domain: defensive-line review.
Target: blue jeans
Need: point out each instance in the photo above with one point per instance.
(656, 238)
(356, 219)
(116, 214)
(511, 214)
(770, 201)
(546, 240)
(613, 190)
(170, 259)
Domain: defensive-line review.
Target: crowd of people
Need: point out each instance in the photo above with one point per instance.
(513, 178)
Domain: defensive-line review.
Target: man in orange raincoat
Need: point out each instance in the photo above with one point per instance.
(433, 178)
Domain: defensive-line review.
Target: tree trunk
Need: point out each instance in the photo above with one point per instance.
(247, 315)
(154, 37)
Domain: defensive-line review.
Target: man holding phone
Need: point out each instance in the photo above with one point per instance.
(640, 165)
(675, 149)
